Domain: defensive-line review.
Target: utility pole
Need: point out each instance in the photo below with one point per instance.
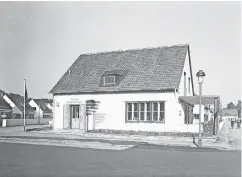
(200, 76)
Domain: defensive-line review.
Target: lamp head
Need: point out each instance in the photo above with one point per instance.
(200, 74)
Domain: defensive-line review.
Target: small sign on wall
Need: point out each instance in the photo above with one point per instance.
(74, 101)
(57, 104)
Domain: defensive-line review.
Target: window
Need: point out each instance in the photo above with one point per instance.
(145, 112)
(148, 111)
(155, 111)
(196, 116)
(189, 85)
(185, 84)
(75, 111)
(162, 111)
(142, 111)
(109, 80)
(130, 111)
(46, 116)
(136, 115)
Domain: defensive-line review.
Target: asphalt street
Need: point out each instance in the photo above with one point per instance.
(23, 160)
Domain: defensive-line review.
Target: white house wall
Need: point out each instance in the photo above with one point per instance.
(112, 107)
(188, 75)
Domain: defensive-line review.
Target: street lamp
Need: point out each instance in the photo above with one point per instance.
(200, 76)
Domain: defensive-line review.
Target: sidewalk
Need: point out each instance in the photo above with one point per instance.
(71, 136)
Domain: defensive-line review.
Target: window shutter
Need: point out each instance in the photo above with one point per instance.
(66, 116)
(82, 114)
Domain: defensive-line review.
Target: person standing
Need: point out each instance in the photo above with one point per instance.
(238, 123)
(232, 123)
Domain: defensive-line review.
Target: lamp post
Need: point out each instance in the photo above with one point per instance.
(200, 76)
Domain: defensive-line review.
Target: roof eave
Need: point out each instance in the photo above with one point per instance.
(113, 92)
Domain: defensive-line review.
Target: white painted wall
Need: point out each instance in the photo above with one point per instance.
(188, 74)
(112, 106)
(38, 113)
(18, 122)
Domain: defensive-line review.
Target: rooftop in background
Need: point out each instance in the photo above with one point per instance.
(42, 103)
(4, 105)
(18, 100)
(148, 69)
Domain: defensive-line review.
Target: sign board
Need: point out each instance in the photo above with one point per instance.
(74, 101)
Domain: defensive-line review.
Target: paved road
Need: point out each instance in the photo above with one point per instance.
(236, 137)
(22, 160)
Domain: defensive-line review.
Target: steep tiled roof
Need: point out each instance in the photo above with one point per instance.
(42, 104)
(18, 100)
(157, 68)
(229, 112)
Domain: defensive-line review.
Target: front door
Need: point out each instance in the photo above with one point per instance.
(75, 116)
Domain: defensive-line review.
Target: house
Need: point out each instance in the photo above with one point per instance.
(5, 108)
(138, 89)
(229, 114)
(210, 108)
(231, 106)
(16, 102)
(43, 108)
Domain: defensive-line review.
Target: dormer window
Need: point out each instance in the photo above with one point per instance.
(108, 80)
(112, 78)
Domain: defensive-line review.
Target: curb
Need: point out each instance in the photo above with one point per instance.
(74, 142)
(68, 143)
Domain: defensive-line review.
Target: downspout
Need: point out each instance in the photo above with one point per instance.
(53, 112)
(214, 118)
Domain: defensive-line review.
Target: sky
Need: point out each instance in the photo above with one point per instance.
(40, 40)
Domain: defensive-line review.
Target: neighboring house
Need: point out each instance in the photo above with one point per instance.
(231, 106)
(43, 108)
(210, 108)
(229, 114)
(17, 104)
(5, 108)
(138, 89)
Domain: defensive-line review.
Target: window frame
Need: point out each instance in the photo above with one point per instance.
(189, 85)
(104, 80)
(145, 112)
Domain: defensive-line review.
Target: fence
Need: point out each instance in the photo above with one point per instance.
(18, 122)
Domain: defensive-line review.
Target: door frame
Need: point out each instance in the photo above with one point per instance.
(72, 105)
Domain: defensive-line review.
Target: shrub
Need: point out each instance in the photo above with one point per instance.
(147, 133)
